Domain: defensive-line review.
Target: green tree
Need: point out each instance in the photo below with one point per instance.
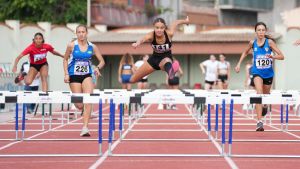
(54, 11)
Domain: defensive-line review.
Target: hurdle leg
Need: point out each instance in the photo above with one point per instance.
(23, 121)
(43, 116)
(217, 121)
(100, 129)
(281, 116)
(287, 117)
(129, 115)
(208, 121)
(17, 121)
(62, 114)
(50, 116)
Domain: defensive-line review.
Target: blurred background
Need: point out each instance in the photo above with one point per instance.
(217, 27)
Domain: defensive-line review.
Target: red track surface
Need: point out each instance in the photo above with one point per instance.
(156, 124)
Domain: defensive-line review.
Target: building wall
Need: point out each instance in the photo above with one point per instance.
(286, 70)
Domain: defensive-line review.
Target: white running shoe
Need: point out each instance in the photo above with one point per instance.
(85, 132)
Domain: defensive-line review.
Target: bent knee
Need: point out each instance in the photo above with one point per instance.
(79, 106)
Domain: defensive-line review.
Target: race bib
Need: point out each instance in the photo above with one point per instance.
(81, 68)
(161, 48)
(38, 57)
(262, 62)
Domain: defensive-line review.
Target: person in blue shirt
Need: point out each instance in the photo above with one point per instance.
(264, 51)
(78, 70)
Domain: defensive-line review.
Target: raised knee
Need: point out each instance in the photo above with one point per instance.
(79, 106)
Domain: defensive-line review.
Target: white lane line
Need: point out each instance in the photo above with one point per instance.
(114, 145)
(228, 159)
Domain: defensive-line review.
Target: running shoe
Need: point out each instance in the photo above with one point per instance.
(20, 77)
(85, 132)
(260, 126)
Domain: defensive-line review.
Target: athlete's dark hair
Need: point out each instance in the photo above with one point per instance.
(38, 34)
(263, 24)
(82, 26)
(160, 20)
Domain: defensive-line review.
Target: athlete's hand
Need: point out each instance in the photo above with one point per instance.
(97, 72)
(187, 20)
(135, 45)
(67, 79)
(297, 43)
(237, 69)
(14, 69)
(270, 56)
(120, 80)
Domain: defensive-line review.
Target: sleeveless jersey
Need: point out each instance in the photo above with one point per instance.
(80, 62)
(161, 48)
(262, 65)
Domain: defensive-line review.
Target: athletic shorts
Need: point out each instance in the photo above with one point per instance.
(79, 78)
(125, 78)
(38, 66)
(156, 58)
(210, 82)
(222, 78)
(143, 80)
(266, 81)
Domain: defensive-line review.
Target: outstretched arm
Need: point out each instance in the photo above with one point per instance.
(175, 24)
(244, 54)
(57, 54)
(16, 62)
(147, 38)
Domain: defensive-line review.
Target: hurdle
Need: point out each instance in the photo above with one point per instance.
(160, 96)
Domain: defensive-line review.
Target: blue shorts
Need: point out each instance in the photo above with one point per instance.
(125, 78)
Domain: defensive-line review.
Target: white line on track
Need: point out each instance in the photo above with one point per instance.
(114, 145)
(228, 159)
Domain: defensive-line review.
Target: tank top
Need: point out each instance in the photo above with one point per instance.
(161, 48)
(262, 65)
(126, 67)
(80, 62)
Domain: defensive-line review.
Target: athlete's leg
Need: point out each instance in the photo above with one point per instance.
(87, 87)
(30, 76)
(44, 77)
(258, 82)
(143, 71)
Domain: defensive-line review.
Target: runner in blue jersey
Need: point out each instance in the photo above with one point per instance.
(264, 52)
(78, 71)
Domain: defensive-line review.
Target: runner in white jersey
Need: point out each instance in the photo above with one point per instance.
(210, 69)
(143, 83)
(223, 72)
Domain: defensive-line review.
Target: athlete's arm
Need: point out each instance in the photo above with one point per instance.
(244, 54)
(202, 67)
(65, 62)
(147, 38)
(57, 54)
(278, 54)
(174, 25)
(119, 73)
(100, 59)
(16, 62)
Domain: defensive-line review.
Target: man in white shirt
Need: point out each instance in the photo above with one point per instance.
(210, 69)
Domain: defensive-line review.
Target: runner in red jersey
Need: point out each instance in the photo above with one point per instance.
(38, 62)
